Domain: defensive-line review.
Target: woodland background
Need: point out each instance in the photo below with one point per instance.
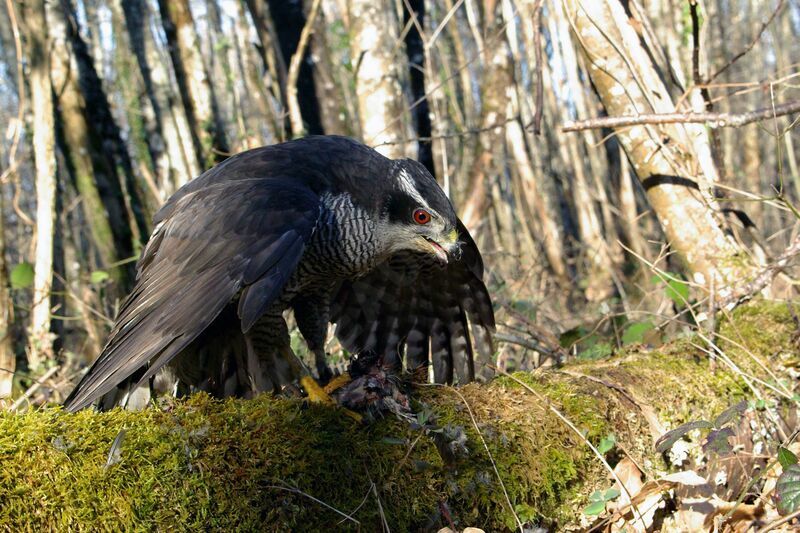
(109, 106)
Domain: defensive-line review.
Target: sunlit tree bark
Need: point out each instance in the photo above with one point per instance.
(197, 92)
(274, 65)
(8, 359)
(664, 157)
(87, 150)
(43, 142)
(382, 105)
(169, 115)
(263, 123)
(329, 91)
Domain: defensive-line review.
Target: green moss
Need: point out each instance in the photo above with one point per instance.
(242, 464)
(764, 329)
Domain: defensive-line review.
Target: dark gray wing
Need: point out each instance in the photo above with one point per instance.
(229, 236)
(431, 313)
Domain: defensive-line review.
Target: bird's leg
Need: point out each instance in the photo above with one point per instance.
(338, 382)
(312, 314)
(317, 394)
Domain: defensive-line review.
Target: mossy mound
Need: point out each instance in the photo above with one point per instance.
(256, 465)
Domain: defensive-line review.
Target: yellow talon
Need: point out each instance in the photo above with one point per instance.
(337, 383)
(317, 394)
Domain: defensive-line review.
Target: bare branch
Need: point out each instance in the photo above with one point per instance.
(762, 278)
(750, 46)
(295, 117)
(712, 120)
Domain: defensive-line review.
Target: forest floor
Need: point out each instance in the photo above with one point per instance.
(685, 430)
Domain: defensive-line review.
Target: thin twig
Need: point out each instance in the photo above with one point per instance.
(33, 388)
(750, 46)
(747, 290)
(772, 525)
(712, 120)
(453, 135)
(295, 117)
(530, 344)
(312, 498)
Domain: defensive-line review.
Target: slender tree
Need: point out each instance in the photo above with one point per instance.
(8, 359)
(169, 116)
(664, 157)
(87, 138)
(382, 104)
(197, 91)
(43, 142)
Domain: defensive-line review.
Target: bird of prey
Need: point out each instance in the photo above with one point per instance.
(324, 226)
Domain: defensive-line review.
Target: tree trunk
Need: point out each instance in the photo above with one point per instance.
(268, 464)
(664, 157)
(138, 118)
(261, 120)
(197, 92)
(8, 359)
(43, 142)
(271, 56)
(169, 115)
(329, 92)
(382, 106)
(86, 151)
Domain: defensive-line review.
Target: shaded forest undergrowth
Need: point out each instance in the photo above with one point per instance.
(480, 455)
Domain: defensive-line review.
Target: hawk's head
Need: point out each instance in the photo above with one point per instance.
(419, 215)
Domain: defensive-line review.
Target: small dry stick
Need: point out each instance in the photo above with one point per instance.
(310, 497)
(295, 117)
(762, 278)
(712, 120)
(33, 388)
(772, 525)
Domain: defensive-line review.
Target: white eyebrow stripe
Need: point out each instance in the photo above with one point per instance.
(407, 185)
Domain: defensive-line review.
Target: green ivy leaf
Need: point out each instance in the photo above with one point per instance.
(611, 494)
(598, 350)
(606, 443)
(635, 332)
(595, 508)
(676, 289)
(787, 490)
(21, 276)
(98, 276)
(786, 457)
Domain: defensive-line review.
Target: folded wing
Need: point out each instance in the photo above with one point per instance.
(211, 243)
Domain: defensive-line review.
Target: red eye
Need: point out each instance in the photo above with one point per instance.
(421, 216)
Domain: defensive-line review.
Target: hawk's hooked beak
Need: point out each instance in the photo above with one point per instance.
(444, 248)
